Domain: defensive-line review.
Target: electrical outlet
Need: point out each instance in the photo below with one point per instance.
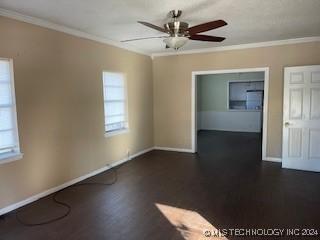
(128, 153)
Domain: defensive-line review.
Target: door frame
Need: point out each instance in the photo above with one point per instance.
(237, 70)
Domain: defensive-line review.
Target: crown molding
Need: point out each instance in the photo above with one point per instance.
(81, 34)
(68, 30)
(240, 46)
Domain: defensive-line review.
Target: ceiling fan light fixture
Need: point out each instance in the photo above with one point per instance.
(175, 42)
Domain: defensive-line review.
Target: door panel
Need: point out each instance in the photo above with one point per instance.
(296, 78)
(301, 118)
(314, 104)
(315, 77)
(295, 141)
(296, 103)
(314, 150)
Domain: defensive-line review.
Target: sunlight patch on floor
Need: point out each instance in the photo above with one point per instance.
(190, 224)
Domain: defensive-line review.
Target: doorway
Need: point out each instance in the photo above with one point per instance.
(242, 105)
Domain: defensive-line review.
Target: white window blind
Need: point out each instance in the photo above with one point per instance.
(115, 102)
(9, 142)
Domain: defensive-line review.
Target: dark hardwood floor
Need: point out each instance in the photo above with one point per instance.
(168, 195)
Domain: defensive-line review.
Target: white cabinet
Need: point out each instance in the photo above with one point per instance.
(256, 86)
(238, 92)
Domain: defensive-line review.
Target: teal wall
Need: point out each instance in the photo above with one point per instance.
(212, 89)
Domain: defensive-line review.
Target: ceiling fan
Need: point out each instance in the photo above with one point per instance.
(180, 32)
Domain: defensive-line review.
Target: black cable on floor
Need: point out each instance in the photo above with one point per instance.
(65, 205)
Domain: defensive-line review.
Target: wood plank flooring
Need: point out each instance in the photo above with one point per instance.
(167, 195)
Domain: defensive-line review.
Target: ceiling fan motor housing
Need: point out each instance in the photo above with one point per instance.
(177, 28)
(175, 13)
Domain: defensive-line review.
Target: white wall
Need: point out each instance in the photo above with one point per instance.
(237, 121)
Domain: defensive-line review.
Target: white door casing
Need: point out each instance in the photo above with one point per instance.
(301, 118)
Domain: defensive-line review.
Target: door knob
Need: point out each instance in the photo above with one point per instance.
(286, 124)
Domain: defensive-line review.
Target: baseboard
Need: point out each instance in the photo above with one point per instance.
(174, 149)
(141, 152)
(69, 183)
(272, 159)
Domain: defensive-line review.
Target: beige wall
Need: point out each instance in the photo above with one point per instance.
(172, 88)
(60, 102)
(60, 107)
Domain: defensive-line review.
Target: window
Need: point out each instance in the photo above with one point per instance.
(9, 140)
(115, 103)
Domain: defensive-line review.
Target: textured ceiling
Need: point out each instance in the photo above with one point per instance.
(249, 21)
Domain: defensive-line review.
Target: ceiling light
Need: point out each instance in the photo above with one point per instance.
(175, 42)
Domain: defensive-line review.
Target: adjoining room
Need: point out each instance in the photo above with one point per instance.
(230, 106)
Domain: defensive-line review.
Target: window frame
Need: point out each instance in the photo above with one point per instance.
(16, 154)
(126, 102)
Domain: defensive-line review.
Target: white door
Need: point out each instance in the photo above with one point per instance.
(301, 118)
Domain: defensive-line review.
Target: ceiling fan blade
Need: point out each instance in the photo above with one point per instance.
(206, 26)
(206, 38)
(160, 29)
(138, 39)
